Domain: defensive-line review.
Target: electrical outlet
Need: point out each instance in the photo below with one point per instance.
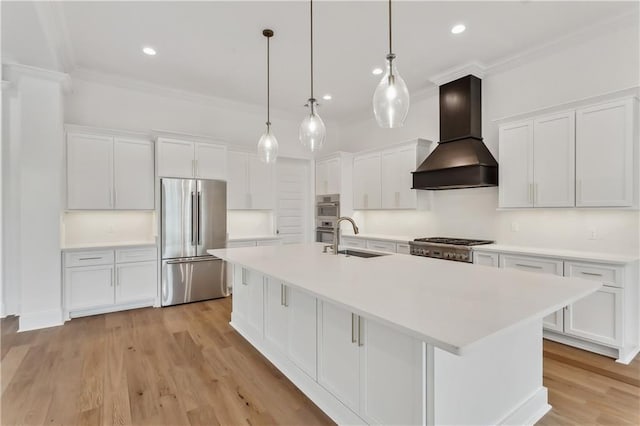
(593, 234)
(515, 227)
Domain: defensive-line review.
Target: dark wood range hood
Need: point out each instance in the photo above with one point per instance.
(461, 159)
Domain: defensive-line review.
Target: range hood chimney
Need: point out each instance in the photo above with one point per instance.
(461, 159)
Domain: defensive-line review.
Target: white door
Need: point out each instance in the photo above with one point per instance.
(338, 354)
(554, 160)
(237, 180)
(255, 302)
(604, 154)
(261, 187)
(211, 161)
(136, 281)
(366, 182)
(276, 315)
(302, 321)
(515, 187)
(176, 158)
(89, 287)
(391, 388)
(333, 176)
(597, 317)
(292, 201)
(396, 178)
(133, 174)
(89, 172)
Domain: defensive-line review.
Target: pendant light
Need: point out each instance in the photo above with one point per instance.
(391, 98)
(268, 144)
(312, 130)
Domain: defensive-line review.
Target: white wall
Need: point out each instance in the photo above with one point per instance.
(604, 63)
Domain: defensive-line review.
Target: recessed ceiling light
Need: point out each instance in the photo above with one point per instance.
(149, 51)
(457, 29)
(327, 97)
(376, 71)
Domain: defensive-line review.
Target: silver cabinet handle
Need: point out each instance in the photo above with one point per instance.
(90, 258)
(111, 278)
(354, 339)
(360, 340)
(593, 274)
(244, 277)
(528, 266)
(281, 294)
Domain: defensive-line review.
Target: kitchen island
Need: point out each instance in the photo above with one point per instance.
(400, 339)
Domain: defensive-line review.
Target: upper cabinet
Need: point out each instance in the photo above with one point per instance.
(186, 159)
(250, 183)
(383, 180)
(604, 154)
(580, 158)
(106, 172)
(328, 176)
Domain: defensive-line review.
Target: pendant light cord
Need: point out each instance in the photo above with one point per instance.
(311, 26)
(268, 85)
(390, 49)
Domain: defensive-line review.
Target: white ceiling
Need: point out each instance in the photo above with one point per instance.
(217, 49)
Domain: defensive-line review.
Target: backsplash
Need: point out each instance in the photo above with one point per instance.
(97, 227)
(249, 223)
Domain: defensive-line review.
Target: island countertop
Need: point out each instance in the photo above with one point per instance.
(452, 305)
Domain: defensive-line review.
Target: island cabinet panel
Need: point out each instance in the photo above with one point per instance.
(276, 316)
(255, 302)
(339, 354)
(302, 334)
(391, 389)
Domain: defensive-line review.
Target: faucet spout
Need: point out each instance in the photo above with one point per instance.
(336, 231)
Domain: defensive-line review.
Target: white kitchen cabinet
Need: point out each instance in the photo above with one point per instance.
(604, 154)
(554, 160)
(390, 388)
(276, 315)
(302, 334)
(328, 176)
(133, 174)
(238, 180)
(403, 248)
(383, 246)
(250, 183)
(89, 287)
(240, 299)
(554, 321)
(339, 354)
(89, 172)
(597, 317)
(187, 159)
(136, 281)
(396, 178)
(515, 187)
(486, 259)
(353, 242)
(254, 282)
(367, 182)
(261, 184)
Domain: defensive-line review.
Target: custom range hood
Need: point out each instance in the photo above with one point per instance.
(461, 160)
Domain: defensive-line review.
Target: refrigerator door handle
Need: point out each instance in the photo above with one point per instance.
(192, 224)
(198, 217)
(193, 260)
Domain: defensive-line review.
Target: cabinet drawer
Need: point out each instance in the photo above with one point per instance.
(403, 248)
(385, 246)
(532, 264)
(140, 254)
(486, 259)
(353, 242)
(607, 274)
(88, 258)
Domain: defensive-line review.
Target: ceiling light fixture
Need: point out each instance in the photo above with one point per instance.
(327, 97)
(457, 29)
(149, 51)
(391, 98)
(376, 71)
(268, 144)
(312, 129)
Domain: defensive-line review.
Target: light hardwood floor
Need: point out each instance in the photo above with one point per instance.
(185, 365)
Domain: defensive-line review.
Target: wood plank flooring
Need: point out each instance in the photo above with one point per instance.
(184, 365)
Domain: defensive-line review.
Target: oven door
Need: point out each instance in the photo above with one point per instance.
(324, 235)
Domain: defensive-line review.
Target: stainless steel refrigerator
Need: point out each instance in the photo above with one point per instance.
(193, 220)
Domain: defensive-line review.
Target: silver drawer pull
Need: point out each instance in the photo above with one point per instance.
(593, 274)
(90, 258)
(528, 266)
(353, 326)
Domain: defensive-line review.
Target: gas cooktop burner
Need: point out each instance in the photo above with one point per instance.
(458, 249)
(452, 241)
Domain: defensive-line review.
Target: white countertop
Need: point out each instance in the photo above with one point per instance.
(103, 245)
(559, 253)
(451, 305)
(254, 237)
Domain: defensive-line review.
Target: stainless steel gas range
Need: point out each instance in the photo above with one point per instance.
(458, 249)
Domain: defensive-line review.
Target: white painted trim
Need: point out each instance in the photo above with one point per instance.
(111, 308)
(627, 355)
(78, 128)
(530, 411)
(37, 320)
(15, 71)
(475, 68)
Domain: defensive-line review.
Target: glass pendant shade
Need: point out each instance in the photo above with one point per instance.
(268, 147)
(391, 99)
(312, 130)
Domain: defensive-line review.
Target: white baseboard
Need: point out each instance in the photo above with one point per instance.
(110, 308)
(582, 344)
(530, 411)
(628, 355)
(37, 320)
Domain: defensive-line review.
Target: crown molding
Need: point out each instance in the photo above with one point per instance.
(122, 82)
(475, 68)
(15, 71)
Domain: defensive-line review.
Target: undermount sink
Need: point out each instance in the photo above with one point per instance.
(357, 253)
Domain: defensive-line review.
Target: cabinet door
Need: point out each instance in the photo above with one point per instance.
(89, 287)
(322, 177)
(276, 328)
(211, 161)
(515, 187)
(554, 321)
(333, 176)
(176, 158)
(604, 154)
(366, 182)
(487, 259)
(89, 172)
(237, 180)
(597, 317)
(396, 178)
(136, 281)
(261, 187)
(391, 384)
(554, 160)
(255, 302)
(302, 344)
(338, 354)
(133, 174)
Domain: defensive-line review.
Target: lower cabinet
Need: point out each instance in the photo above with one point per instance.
(136, 281)
(597, 317)
(89, 286)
